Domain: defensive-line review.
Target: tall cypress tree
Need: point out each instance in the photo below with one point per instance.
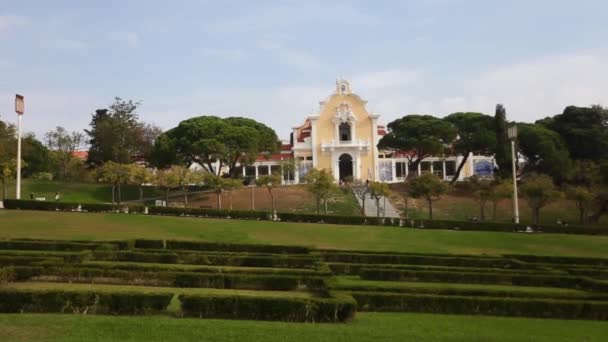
(502, 156)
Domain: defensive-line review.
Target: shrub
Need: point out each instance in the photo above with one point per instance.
(216, 246)
(57, 301)
(50, 245)
(524, 307)
(419, 259)
(154, 244)
(342, 308)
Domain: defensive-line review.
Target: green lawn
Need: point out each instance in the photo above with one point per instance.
(373, 327)
(77, 226)
(77, 192)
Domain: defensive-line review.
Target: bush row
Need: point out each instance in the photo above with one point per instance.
(486, 278)
(353, 269)
(17, 260)
(135, 266)
(466, 291)
(276, 261)
(43, 245)
(523, 307)
(414, 259)
(216, 246)
(83, 302)
(341, 308)
(70, 206)
(295, 217)
(269, 282)
(215, 213)
(560, 259)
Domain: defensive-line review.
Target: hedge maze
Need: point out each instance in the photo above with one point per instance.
(288, 283)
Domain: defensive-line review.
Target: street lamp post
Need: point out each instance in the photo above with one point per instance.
(19, 109)
(512, 134)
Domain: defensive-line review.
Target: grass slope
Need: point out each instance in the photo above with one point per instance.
(81, 226)
(366, 327)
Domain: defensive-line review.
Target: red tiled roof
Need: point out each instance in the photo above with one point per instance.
(286, 147)
(81, 154)
(273, 157)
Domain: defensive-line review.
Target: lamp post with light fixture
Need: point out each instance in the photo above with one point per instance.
(19, 109)
(512, 134)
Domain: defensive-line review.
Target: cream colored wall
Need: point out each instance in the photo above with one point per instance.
(326, 131)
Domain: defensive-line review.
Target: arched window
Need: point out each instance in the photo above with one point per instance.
(344, 132)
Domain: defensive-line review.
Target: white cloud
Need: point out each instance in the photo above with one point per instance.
(130, 39)
(233, 55)
(298, 59)
(8, 22)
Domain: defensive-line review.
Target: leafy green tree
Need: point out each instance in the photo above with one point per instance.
(271, 182)
(140, 176)
(502, 151)
(232, 184)
(320, 183)
(481, 190)
(584, 131)
(185, 178)
(476, 134)
(8, 151)
(63, 144)
(116, 175)
(166, 180)
(583, 198)
(207, 140)
(116, 134)
(378, 190)
(420, 135)
(35, 155)
(544, 151)
(428, 187)
(539, 190)
(361, 190)
(217, 184)
(498, 192)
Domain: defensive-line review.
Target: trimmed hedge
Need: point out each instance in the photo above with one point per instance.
(341, 308)
(83, 302)
(522, 307)
(51, 245)
(353, 269)
(296, 217)
(540, 280)
(560, 260)
(216, 213)
(216, 246)
(418, 259)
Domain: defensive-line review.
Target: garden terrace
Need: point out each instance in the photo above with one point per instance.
(289, 283)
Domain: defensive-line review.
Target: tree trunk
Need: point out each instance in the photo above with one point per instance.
(3, 189)
(219, 200)
(536, 215)
(377, 206)
(185, 189)
(141, 193)
(459, 168)
(600, 211)
(407, 213)
(230, 198)
(430, 209)
(119, 194)
(363, 206)
(273, 209)
(113, 187)
(318, 206)
(494, 205)
(167, 196)
(482, 211)
(325, 204)
(581, 213)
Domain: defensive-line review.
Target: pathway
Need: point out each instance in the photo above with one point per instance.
(386, 208)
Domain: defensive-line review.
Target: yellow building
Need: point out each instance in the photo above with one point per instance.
(342, 137)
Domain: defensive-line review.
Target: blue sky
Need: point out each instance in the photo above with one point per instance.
(275, 60)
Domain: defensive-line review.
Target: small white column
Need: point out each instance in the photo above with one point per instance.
(269, 170)
(313, 136)
(394, 170)
(296, 173)
(256, 172)
(443, 175)
(407, 168)
(244, 174)
(419, 169)
(432, 168)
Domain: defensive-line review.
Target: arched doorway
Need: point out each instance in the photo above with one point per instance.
(345, 163)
